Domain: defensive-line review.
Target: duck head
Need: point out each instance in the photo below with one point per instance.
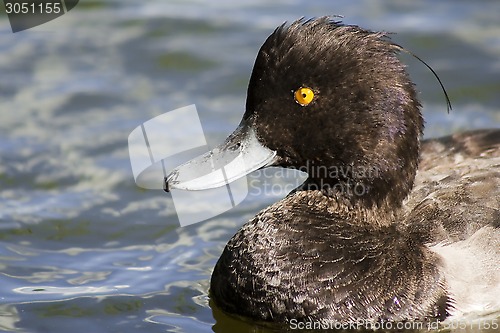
(329, 99)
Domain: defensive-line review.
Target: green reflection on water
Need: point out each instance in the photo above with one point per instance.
(183, 61)
(477, 92)
(108, 307)
(61, 229)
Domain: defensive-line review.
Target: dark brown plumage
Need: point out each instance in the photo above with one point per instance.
(377, 240)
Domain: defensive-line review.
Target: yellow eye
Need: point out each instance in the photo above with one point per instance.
(304, 96)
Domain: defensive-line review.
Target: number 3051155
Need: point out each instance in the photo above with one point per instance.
(32, 8)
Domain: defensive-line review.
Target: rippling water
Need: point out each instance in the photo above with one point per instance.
(82, 248)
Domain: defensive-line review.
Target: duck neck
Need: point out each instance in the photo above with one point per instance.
(376, 188)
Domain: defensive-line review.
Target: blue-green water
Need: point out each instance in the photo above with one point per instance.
(82, 248)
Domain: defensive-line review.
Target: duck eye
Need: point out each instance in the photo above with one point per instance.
(304, 96)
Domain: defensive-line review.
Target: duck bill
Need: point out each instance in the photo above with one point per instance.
(238, 156)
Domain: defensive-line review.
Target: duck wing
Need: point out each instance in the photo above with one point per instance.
(455, 207)
(457, 187)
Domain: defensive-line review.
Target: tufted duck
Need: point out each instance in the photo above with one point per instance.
(366, 237)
